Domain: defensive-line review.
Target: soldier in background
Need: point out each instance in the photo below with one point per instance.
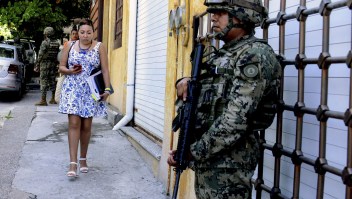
(47, 65)
(239, 76)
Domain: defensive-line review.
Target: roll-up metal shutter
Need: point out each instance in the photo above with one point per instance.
(151, 65)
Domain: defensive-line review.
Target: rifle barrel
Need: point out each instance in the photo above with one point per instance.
(188, 116)
(178, 175)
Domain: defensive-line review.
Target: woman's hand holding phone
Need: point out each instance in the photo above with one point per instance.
(77, 68)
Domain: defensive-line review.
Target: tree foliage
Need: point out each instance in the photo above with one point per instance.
(28, 18)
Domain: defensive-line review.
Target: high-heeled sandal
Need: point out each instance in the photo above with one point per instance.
(83, 169)
(73, 174)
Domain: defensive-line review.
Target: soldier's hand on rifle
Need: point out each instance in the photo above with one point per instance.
(170, 160)
(36, 68)
(182, 87)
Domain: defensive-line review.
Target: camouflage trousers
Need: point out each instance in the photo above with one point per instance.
(223, 183)
(48, 73)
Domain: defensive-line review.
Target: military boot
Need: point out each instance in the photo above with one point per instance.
(42, 102)
(52, 101)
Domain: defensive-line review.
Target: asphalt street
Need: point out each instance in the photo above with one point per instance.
(34, 159)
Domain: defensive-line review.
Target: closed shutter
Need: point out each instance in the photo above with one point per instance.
(151, 65)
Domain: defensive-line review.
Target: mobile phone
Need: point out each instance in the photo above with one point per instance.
(77, 66)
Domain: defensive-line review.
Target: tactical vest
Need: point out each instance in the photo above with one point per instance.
(214, 99)
(53, 50)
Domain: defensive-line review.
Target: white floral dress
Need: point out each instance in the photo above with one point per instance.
(75, 96)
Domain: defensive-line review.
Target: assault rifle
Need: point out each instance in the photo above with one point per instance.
(185, 120)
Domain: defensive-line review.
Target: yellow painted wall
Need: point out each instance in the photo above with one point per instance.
(117, 57)
(178, 65)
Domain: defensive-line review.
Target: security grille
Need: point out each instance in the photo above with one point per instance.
(307, 153)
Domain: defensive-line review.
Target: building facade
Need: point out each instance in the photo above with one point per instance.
(307, 152)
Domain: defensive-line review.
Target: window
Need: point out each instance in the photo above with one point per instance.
(118, 24)
(6, 53)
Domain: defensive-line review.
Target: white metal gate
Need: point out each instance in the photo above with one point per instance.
(151, 47)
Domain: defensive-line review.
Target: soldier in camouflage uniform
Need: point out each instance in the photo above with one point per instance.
(239, 75)
(47, 65)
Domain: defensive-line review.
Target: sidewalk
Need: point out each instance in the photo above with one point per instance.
(116, 171)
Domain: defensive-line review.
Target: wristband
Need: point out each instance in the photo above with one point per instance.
(107, 89)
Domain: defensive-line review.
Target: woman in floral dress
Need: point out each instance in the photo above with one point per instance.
(82, 56)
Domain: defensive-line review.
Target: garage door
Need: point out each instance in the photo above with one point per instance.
(151, 65)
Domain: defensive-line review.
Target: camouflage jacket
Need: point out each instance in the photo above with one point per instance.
(245, 70)
(48, 51)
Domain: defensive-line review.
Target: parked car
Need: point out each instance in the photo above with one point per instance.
(12, 70)
(30, 55)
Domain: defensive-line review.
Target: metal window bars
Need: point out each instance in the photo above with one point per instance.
(325, 62)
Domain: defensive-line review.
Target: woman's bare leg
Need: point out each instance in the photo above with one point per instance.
(74, 129)
(86, 131)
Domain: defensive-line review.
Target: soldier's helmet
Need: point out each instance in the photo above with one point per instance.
(49, 31)
(247, 11)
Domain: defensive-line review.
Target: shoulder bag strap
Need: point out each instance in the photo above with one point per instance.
(68, 55)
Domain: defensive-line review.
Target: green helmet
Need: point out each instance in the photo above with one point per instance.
(247, 11)
(48, 31)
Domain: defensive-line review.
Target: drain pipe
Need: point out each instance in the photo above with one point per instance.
(131, 63)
